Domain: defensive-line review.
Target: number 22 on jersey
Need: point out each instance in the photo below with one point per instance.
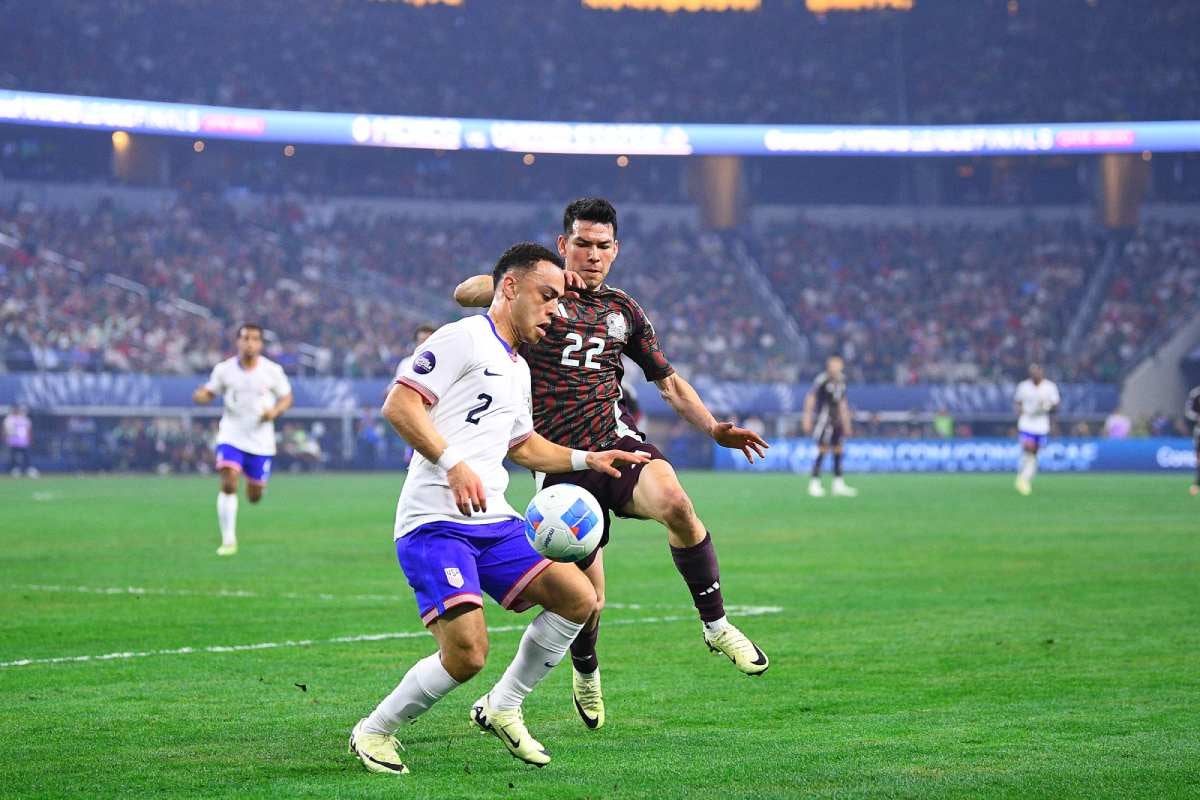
(568, 356)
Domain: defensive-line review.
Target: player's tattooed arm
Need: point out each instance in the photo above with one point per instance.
(810, 403)
(681, 396)
(542, 455)
(405, 410)
(276, 411)
(847, 419)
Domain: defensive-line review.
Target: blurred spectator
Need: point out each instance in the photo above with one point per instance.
(1117, 426)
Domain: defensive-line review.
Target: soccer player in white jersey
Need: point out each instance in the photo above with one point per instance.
(255, 392)
(464, 404)
(1036, 399)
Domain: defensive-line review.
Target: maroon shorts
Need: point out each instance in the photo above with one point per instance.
(613, 494)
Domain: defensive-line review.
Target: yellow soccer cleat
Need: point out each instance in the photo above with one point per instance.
(1023, 487)
(589, 700)
(744, 653)
(376, 751)
(227, 550)
(508, 725)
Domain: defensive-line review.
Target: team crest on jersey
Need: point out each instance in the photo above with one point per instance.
(424, 363)
(454, 577)
(618, 328)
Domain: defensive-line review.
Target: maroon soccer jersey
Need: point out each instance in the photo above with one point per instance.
(577, 368)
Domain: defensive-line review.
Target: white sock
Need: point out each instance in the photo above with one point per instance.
(227, 517)
(424, 684)
(1028, 466)
(717, 625)
(542, 647)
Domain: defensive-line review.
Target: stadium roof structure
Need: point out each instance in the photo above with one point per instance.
(591, 138)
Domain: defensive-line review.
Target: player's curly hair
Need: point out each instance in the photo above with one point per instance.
(590, 209)
(522, 257)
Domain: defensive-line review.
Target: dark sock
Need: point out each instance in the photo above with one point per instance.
(698, 566)
(583, 650)
(816, 470)
(837, 465)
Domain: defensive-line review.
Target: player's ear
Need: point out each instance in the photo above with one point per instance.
(562, 245)
(508, 286)
(616, 247)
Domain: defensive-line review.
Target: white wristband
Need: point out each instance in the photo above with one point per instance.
(449, 459)
(579, 460)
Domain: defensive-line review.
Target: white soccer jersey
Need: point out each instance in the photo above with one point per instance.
(246, 395)
(481, 403)
(405, 363)
(1036, 402)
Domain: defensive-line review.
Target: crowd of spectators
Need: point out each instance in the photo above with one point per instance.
(339, 292)
(944, 62)
(934, 304)
(1157, 284)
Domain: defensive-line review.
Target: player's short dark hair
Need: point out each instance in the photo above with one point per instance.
(424, 327)
(250, 326)
(523, 257)
(590, 209)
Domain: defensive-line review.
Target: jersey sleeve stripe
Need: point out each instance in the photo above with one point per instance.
(428, 395)
(519, 440)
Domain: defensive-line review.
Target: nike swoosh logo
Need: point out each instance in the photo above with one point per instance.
(512, 741)
(589, 721)
(491, 374)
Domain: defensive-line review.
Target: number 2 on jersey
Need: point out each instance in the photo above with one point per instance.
(569, 351)
(474, 413)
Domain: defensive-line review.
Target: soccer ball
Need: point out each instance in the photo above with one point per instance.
(564, 522)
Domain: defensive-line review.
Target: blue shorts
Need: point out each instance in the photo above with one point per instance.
(450, 563)
(1038, 440)
(257, 469)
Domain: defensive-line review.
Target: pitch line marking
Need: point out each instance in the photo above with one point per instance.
(747, 611)
(247, 594)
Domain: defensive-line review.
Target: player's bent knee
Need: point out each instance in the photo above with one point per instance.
(464, 661)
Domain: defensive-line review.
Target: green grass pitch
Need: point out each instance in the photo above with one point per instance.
(940, 637)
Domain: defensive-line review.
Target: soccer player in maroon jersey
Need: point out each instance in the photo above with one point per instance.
(577, 402)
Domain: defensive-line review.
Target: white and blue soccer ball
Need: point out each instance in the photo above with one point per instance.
(564, 522)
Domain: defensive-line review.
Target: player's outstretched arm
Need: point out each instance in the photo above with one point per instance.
(276, 411)
(405, 410)
(203, 396)
(475, 292)
(543, 455)
(680, 395)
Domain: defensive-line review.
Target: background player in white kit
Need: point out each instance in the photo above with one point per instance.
(464, 403)
(255, 391)
(1036, 399)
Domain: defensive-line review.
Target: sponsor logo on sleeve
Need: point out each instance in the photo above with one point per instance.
(424, 363)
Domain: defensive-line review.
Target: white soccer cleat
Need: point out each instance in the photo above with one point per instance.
(744, 653)
(376, 751)
(1023, 487)
(589, 700)
(508, 725)
(840, 489)
(227, 549)
(815, 489)
(32, 472)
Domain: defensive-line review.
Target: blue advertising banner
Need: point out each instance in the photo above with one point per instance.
(973, 455)
(591, 138)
